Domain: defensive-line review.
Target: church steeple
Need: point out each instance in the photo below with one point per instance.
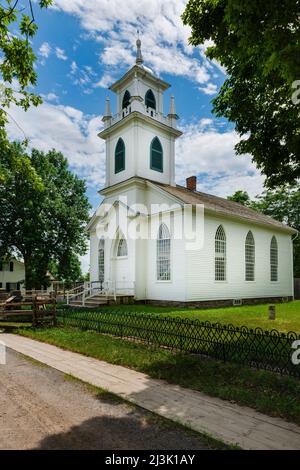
(140, 137)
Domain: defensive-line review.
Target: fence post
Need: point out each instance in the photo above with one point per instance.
(272, 312)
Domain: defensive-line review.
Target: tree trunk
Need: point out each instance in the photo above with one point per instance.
(29, 277)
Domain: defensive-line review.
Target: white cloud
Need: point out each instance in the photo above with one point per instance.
(50, 97)
(208, 153)
(73, 67)
(209, 89)
(45, 50)
(83, 77)
(67, 130)
(165, 38)
(105, 81)
(60, 53)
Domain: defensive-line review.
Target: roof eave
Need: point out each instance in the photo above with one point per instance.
(144, 73)
(136, 114)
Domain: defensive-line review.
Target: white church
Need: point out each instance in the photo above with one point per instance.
(140, 246)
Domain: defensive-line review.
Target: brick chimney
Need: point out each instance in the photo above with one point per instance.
(191, 183)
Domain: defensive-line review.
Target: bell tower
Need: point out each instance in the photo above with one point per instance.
(140, 138)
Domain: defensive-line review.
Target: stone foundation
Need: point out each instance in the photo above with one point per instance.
(214, 303)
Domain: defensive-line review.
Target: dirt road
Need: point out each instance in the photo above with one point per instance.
(42, 409)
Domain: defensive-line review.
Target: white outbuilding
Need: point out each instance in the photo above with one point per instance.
(159, 242)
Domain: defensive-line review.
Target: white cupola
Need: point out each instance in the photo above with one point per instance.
(140, 139)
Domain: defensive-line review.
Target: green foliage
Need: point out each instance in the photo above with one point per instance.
(17, 64)
(68, 269)
(258, 43)
(42, 218)
(281, 204)
(242, 197)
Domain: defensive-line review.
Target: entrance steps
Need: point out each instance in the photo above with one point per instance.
(98, 300)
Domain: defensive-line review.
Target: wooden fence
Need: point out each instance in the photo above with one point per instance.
(40, 309)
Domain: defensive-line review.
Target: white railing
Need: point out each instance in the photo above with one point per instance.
(148, 111)
(72, 294)
(105, 289)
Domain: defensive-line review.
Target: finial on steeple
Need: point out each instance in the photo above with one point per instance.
(139, 57)
(172, 114)
(107, 108)
(108, 115)
(172, 106)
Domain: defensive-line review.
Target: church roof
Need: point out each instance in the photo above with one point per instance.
(222, 206)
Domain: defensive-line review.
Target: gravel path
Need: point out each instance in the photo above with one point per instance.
(40, 409)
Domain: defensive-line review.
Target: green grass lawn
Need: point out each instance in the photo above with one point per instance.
(253, 316)
(265, 391)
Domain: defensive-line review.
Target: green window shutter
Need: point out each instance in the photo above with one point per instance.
(156, 157)
(120, 156)
(150, 100)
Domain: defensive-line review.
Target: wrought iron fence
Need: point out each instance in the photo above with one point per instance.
(269, 350)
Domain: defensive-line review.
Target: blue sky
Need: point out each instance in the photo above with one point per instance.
(82, 46)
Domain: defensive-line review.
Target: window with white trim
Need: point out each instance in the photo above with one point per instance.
(220, 254)
(274, 259)
(163, 254)
(250, 257)
(122, 248)
(101, 260)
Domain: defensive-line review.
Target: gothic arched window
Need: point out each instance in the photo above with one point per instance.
(120, 156)
(101, 260)
(126, 99)
(250, 257)
(122, 248)
(220, 254)
(163, 254)
(156, 155)
(274, 259)
(150, 100)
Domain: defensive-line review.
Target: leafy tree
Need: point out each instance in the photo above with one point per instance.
(282, 204)
(68, 269)
(42, 221)
(17, 64)
(240, 196)
(258, 43)
(16, 68)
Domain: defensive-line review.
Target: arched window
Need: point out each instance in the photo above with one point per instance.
(163, 254)
(122, 248)
(220, 254)
(120, 156)
(126, 99)
(156, 155)
(274, 259)
(250, 257)
(150, 100)
(101, 260)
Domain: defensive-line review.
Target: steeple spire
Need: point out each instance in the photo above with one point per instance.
(108, 115)
(172, 114)
(139, 57)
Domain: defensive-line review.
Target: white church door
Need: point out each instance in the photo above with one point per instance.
(121, 269)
